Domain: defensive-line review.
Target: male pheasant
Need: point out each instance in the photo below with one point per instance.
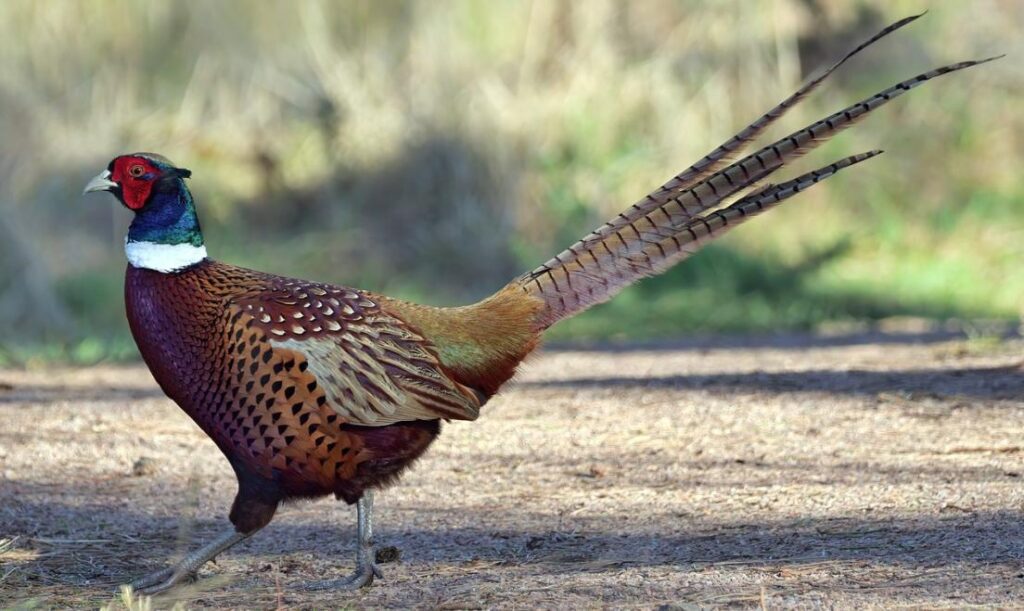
(312, 389)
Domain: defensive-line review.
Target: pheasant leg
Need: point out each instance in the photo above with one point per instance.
(166, 579)
(366, 568)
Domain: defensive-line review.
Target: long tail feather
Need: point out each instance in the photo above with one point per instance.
(714, 160)
(723, 154)
(596, 268)
(756, 166)
(700, 230)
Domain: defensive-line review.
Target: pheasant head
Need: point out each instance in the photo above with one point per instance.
(165, 234)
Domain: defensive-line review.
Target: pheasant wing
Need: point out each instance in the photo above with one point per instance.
(373, 368)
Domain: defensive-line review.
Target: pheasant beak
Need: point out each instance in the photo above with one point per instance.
(101, 182)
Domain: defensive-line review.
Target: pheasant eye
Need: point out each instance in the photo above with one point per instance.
(136, 170)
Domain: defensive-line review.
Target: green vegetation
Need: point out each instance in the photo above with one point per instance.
(435, 151)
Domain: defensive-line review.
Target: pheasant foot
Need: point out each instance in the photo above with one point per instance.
(165, 579)
(366, 566)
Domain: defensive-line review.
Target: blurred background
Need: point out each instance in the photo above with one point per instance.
(435, 150)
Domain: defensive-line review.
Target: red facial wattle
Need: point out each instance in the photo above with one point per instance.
(136, 176)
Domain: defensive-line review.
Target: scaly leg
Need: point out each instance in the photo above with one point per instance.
(366, 569)
(167, 578)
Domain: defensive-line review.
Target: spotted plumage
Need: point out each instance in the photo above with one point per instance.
(286, 376)
(312, 389)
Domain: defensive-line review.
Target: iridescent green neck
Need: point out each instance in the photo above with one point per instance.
(168, 218)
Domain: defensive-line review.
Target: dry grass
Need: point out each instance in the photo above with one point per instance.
(836, 472)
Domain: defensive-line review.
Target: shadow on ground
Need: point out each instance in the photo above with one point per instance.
(85, 546)
(784, 341)
(36, 393)
(993, 383)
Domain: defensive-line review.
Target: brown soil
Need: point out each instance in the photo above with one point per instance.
(814, 472)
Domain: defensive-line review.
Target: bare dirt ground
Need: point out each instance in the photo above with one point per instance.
(855, 472)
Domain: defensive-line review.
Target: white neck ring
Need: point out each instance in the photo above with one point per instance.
(164, 258)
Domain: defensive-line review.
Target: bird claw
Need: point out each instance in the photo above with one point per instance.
(362, 578)
(158, 588)
(160, 581)
(153, 578)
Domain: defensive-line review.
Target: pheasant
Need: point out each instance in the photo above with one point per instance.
(311, 389)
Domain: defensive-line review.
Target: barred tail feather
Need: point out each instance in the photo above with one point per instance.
(723, 155)
(643, 244)
(700, 230)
